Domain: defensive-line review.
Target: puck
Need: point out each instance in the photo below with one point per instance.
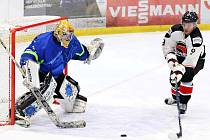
(123, 135)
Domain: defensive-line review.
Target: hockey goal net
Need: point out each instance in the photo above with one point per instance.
(17, 35)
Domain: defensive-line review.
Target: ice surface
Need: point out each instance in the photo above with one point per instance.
(126, 88)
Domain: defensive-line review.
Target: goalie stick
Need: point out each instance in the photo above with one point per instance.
(42, 101)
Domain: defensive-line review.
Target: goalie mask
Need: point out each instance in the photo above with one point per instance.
(64, 33)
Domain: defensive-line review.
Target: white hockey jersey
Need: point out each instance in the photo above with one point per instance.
(188, 54)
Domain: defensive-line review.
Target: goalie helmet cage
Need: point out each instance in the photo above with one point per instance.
(13, 33)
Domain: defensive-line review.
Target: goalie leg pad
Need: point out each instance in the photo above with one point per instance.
(72, 102)
(68, 90)
(27, 106)
(80, 104)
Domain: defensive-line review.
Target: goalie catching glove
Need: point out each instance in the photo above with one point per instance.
(95, 49)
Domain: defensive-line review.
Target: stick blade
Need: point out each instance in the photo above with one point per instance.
(73, 124)
(173, 136)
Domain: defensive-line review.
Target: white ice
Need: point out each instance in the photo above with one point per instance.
(126, 88)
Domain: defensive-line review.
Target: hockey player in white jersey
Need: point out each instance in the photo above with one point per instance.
(185, 54)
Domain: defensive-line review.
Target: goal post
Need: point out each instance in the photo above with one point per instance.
(17, 35)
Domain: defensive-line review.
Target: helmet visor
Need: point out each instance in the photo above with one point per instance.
(66, 38)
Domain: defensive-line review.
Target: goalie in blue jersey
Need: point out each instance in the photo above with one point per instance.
(44, 61)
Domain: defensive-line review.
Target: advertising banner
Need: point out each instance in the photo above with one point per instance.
(205, 12)
(70, 8)
(148, 12)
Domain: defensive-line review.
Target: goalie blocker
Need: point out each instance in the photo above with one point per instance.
(66, 89)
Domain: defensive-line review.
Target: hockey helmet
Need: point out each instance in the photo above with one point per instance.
(64, 32)
(189, 17)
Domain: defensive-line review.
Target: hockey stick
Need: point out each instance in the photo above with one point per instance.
(178, 108)
(43, 102)
(177, 135)
(13, 59)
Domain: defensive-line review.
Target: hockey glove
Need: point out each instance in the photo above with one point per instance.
(178, 72)
(95, 49)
